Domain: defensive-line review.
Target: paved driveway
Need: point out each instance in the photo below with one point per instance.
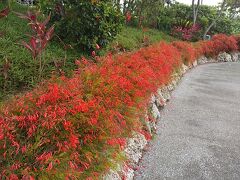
(198, 136)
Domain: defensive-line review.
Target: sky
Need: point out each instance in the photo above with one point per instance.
(205, 2)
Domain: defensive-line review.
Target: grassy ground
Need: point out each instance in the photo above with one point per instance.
(134, 38)
(23, 74)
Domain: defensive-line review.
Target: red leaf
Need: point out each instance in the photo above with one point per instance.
(97, 46)
(93, 53)
(20, 15)
(47, 20)
(4, 12)
(49, 33)
(1, 135)
(13, 177)
(33, 43)
(50, 166)
(27, 46)
(29, 16)
(44, 44)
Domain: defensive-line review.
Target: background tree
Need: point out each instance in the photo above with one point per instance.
(228, 8)
(145, 12)
(195, 8)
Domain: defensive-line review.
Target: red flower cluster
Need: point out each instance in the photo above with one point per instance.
(189, 53)
(71, 127)
(237, 38)
(219, 43)
(67, 125)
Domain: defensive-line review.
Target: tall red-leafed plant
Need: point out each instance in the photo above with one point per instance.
(39, 38)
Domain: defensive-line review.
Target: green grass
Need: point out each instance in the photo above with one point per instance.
(132, 38)
(23, 73)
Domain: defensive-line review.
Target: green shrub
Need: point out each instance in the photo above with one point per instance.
(169, 16)
(85, 23)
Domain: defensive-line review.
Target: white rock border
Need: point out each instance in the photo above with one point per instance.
(137, 143)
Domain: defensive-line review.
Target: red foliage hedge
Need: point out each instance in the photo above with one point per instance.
(237, 37)
(189, 53)
(71, 127)
(219, 43)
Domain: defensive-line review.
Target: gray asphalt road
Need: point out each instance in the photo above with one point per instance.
(198, 136)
